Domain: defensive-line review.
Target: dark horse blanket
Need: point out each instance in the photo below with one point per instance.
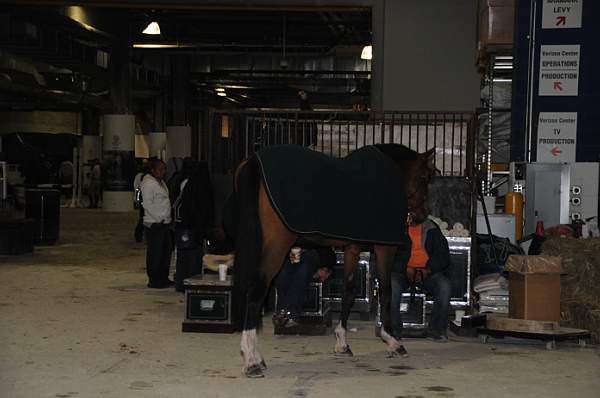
(358, 198)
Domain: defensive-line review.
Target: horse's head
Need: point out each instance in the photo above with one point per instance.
(416, 170)
(419, 173)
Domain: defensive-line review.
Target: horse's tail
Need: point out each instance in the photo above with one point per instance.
(248, 237)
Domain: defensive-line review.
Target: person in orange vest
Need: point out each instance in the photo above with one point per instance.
(426, 261)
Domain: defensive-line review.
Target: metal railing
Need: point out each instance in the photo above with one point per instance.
(236, 134)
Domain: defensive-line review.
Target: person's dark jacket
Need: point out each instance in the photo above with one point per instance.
(435, 245)
(196, 209)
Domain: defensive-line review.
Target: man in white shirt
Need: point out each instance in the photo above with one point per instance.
(157, 220)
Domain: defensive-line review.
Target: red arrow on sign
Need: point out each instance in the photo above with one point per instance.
(558, 86)
(561, 20)
(555, 151)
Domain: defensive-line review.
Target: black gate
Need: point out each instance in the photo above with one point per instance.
(234, 135)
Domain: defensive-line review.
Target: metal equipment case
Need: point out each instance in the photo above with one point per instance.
(413, 310)
(208, 305)
(43, 205)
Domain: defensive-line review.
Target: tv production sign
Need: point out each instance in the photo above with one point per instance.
(559, 77)
(557, 137)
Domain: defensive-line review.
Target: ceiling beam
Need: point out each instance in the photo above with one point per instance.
(265, 5)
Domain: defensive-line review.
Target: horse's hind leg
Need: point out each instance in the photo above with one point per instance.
(385, 258)
(351, 254)
(276, 243)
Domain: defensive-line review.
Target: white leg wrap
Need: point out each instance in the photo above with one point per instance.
(340, 338)
(249, 347)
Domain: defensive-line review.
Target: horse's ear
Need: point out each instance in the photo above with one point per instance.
(429, 157)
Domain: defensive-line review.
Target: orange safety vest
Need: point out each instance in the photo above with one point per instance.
(418, 255)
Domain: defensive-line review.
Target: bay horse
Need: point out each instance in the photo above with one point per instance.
(263, 240)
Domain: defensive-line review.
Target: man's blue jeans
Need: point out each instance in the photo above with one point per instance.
(292, 281)
(438, 285)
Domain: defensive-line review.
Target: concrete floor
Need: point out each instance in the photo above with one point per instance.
(76, 320)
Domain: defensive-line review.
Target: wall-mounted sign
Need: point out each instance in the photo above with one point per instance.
(559, 69)
(556, 137)
(560, 14)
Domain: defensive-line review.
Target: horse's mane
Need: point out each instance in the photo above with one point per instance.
(397, 151)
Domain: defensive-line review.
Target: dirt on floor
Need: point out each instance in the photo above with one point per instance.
(77, 320)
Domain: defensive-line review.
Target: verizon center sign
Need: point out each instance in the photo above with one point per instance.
(559, 70)
(557, 137)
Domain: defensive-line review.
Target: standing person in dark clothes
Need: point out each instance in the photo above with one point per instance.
(308, 129)
(193, 216)
(299, 268)
(95, 187)
(426, 262)
(157, 220)
(303, 101)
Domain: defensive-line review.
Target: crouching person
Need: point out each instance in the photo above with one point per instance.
(425, 262)
(298, 270)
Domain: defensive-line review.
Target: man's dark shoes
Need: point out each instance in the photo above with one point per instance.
(437, 337)
(161, 285)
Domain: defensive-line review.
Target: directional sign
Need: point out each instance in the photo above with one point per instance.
(560, 14)
(559, 69)
(557, 137)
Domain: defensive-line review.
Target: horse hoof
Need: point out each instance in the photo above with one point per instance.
(263, 364)
(346, 353)
(398, 352)
(254, 372)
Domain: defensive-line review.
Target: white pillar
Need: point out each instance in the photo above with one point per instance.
(118, 168)
(157, 144)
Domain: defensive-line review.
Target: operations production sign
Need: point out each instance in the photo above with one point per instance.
(559, 70)
(556, 137)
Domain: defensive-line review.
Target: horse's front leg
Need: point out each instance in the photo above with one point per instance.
(385, 258)
(351, 254)
(276, 242)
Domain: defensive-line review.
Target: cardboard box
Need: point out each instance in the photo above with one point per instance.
(534, 296)
(534, 264)
(496, 22)
(534, 287)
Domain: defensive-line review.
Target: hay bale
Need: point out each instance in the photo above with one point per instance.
(580, 301)
(578, 312)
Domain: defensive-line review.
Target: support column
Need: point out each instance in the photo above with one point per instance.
(179, 141)
(157, 143)
(120, 82)
(119, 162)
(179, 132)
(377, 63)
(180, 80)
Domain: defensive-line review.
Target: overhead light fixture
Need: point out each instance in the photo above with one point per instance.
(152, 29)
(220, 89)
(367, 52)
(160, 45)
(222, 94)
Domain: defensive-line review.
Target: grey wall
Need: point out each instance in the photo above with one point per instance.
(429, 54)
